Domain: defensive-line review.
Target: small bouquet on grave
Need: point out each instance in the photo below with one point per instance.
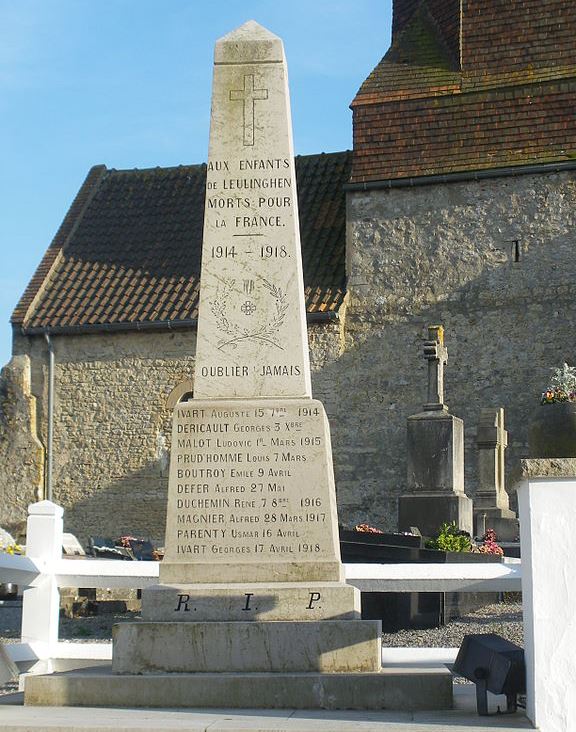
(562, 386)
(7, 544)
(489, 545)
(11, 548)
(125, 541)
(451, 539)
(367, 529)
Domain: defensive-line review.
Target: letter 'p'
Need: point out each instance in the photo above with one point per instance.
(314, 597)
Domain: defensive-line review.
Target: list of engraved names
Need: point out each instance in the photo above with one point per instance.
(242, 488)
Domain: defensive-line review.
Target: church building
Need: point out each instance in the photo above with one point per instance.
(456, 206)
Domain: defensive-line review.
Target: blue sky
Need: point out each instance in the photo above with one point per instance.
(127, 83)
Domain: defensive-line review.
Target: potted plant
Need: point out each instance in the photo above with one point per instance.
(459, 547)
(552, 432)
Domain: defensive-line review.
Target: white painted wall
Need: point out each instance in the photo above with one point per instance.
(548, 535)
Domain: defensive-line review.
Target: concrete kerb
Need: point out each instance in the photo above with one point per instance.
(463, 718)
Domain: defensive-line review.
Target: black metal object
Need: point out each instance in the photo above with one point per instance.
(142, 549)
(494, 664)
(8, 591)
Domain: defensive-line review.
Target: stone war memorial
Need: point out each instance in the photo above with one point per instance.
(252, 609)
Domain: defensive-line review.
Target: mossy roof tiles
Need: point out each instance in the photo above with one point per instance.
(469, 86)
(129, 249)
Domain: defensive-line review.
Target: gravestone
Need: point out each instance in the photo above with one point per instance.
(491, 504)
(435, 441)
(251, 609)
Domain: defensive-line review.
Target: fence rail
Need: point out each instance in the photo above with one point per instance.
(43, 571)
(424, 577)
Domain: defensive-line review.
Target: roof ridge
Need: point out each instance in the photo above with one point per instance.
(65, 231)
(153, 168)
(186, 166)
(408, 52)
(135, 252)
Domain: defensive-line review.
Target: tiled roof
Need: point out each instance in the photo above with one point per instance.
(501, 128)
(417, 64)
(499, 92)
(129, 249)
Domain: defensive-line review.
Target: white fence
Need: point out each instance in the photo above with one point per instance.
(43, 571)
(546, 577)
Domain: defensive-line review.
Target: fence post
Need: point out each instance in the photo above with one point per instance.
(547, 508)
(41, 603)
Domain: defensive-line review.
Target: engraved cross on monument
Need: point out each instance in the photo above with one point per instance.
(248, 95)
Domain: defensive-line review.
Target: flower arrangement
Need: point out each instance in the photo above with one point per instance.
(10, 548)
(451, 539)
(366, 529)
(125, 541)
(562, 386)
(489, 545)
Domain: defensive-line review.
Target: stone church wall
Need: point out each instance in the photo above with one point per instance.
(21, 453)
(112, 422)
(494, 261)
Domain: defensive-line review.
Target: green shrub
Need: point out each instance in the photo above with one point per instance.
(450, 539)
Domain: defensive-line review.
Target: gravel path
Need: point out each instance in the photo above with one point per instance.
(504, 618)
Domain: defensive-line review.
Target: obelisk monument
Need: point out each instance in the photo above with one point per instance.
(251, 494)
(251, 609)
(252, 550)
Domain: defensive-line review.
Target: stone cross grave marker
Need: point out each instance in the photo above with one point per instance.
(436, 353)
(492, 440)
(491, 502)
(435, 442)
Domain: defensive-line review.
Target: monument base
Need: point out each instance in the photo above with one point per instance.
(429, 512)
(330, 646)
(394, 688)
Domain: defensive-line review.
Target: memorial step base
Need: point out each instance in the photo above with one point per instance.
(395, 689)
(330, 646)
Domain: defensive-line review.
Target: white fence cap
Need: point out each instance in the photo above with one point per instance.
(45, 508)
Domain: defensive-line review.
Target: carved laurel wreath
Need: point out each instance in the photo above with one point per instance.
(233, 333)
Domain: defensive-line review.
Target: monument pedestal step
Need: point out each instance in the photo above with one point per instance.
(251, 602)
(397, 689)
(328, 646)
